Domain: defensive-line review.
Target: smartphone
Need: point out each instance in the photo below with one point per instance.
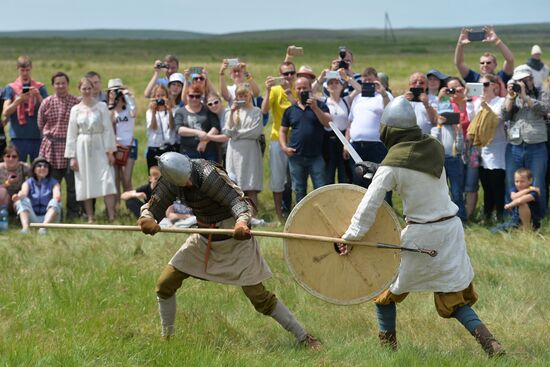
(476, 36)
(452, 118)
(240, 103)
(195, 70)
(416, 93)
(304, 96)
(475, 89)
(232, 62)
(278, 80)
(296, 51)
(26, 88)
(368, 89)
(332, 74)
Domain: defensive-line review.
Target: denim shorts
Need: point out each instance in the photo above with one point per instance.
(25, 205)
(471, 179)
(134, 150)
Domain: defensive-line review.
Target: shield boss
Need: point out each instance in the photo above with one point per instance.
(317, 266)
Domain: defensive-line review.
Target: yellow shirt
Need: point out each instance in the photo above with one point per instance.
(278, 103)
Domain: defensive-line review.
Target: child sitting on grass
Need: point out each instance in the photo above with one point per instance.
(525, 204)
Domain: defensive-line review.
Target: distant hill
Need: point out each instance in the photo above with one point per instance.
(296, 34)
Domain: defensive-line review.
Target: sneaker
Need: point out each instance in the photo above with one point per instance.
(24, 231)
(42, 231)
(312, 343)
(257, 222)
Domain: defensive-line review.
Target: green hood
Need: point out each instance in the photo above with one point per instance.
(409, 148)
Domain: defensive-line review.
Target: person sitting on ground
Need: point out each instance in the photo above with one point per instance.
(178, 215)
(136, 198)
(525, 201)
(39, 199)
(13, 173)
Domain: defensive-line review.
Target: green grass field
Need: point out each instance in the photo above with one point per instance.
(80, 298)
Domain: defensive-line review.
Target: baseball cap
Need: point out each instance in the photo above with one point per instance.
(176, 77)
(438, 74)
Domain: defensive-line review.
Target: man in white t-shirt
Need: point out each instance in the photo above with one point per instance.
(365, 113)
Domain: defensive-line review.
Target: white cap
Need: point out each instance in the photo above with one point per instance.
(522, 71)
(536, 50)
(176, 77)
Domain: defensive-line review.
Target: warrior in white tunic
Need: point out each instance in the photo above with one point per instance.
(217, 203)
(414, 169)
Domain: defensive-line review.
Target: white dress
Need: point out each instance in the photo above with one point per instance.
(244, 159)
(425, 199)
(90, 135)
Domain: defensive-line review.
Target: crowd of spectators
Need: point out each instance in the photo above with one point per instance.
(492, 123)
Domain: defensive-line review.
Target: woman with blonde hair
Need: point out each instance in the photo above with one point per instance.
(244, 126)
(161, 128)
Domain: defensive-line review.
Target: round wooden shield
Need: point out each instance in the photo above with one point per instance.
(318, 267)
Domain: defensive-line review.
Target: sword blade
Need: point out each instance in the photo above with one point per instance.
(354, 155)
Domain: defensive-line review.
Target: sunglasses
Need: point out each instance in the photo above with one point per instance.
(11, 156)
(199, 78)
(42, 165)
(194, 96)
(486, 84)
(485, 62)
(213, 103)
(288, 73)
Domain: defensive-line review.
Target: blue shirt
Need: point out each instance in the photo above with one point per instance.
(307, 131)
(40, 193)
(473, 76)
(30, 129)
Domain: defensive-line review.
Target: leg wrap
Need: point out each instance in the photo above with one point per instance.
(386, 315)
(467, 317)
(169, 281)
(286, 319)
(167, 311)
(263, 301)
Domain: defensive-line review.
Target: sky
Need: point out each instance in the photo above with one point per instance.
(219, 17)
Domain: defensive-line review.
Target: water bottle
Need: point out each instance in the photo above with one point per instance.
(3, 218)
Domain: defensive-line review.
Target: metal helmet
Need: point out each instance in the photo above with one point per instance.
(175, 167)
(399, 113)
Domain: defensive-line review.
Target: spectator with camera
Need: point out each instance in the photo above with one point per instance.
(195, 125)
(539, 69)
(280, 93)
(123, 114)
(238, 75)
(53, 121)
(22, 100)
(426, 114)
(244, 126)
(487, 61)
(306, 117)
(487, 132)
(344, 62)
(365, 114)
(161, 127)
(527, 134)
(199, 79)
(170, 65)
(39, 200)
(90, 147)
(13, 173)
(454, 98)
(339, 108)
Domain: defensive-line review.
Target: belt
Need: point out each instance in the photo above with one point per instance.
(433, 221)
(213, 237)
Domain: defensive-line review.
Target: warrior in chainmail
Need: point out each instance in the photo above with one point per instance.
(217, 203)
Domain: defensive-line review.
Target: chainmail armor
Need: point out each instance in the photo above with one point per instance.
(213, 196)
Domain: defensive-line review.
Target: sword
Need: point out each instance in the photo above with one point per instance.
(363, 168)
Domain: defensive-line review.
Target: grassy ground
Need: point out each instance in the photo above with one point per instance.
(87, 298)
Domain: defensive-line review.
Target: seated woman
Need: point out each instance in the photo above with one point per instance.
(13, 173)
(178, 215)
(39, 199)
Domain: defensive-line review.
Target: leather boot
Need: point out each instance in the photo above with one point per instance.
(490, 345)
(388, 339)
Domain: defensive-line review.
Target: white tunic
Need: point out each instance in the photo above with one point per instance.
(425, 199)
(90, 136)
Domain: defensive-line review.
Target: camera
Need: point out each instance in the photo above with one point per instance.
(161, 65)
(240, 103)
(304, 96)
(342, 53)
(160, 102)
(451, 91)
(516, 87)
(416, 93)
(368, 89)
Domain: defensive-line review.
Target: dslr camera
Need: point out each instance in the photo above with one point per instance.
(342, 53)
(516, 87)
(161, 65)
(160, 102)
